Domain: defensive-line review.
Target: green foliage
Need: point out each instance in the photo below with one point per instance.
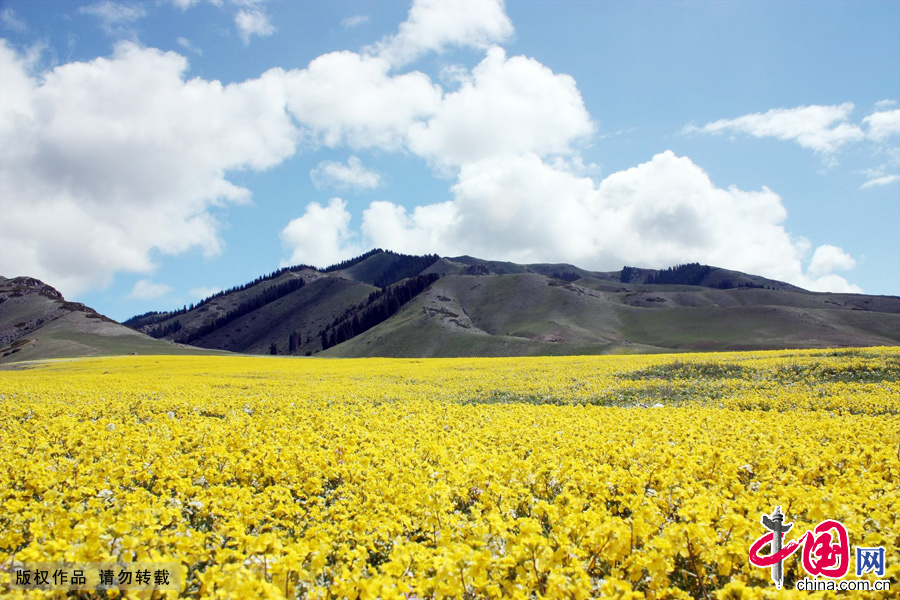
(379, 307)
(270, 294)
(690, 370)
(689, 274)
(870, 370)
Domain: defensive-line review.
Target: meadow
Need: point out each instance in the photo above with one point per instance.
(564, 477)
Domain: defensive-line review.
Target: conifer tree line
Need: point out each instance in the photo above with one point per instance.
(402, 267)
(566, 276)
(379, 307)
(689, 274)
(728, 284)
(346, 264)
(153, 317)
(270, 294)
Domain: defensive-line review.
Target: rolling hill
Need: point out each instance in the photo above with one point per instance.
(36, 322)
(388, 304)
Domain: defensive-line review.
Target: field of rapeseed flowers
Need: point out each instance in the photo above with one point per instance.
(619, 476)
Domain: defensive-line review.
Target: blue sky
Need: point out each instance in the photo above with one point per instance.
(152, 153)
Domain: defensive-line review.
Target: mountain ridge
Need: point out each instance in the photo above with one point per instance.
(478, 306)
(384, 303)
(37, 322)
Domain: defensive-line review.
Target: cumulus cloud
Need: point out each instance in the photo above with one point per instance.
(823, 129)
(353, 175)
(827, 258)
(109, 163)
(346, 98)
(250, 17)
(662, 212)
(433, 25)
(106, 163)
(253, 21)
(321, 236)
(146, 289)
(521, 208)
(429, 228)
(508, 106)
(883, 124)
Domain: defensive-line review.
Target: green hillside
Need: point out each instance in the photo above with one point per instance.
(36, 323)
(388, 304)
(523, 312)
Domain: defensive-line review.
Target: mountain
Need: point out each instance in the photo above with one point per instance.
(388, 304)
(36, 322)
(289, 308)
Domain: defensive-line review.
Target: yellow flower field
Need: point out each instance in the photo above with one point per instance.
(449, 478)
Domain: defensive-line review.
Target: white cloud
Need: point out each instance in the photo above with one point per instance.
(253, 21)
(186, 4)
(354, 21)
(833, 283)
(827, 258)
(883, 125)
(433, 25)
(887, 172)
(506, 105)
(106, 163)
(879, 181)
(201, 293)
(454, 75)
(353, 175)
(345, 98)
(823, 129)
(109, 163)
(321, 236)
(659, 213)
(9, 18)
(428, 229)
(510, 105)
(113, 12)
(114, 16)
(147, 290)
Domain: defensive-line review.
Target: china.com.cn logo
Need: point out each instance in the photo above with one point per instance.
(826, 550)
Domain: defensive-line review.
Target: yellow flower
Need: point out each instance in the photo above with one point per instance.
(495, 478)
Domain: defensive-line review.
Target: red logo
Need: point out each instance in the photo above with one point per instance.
(826, 548)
